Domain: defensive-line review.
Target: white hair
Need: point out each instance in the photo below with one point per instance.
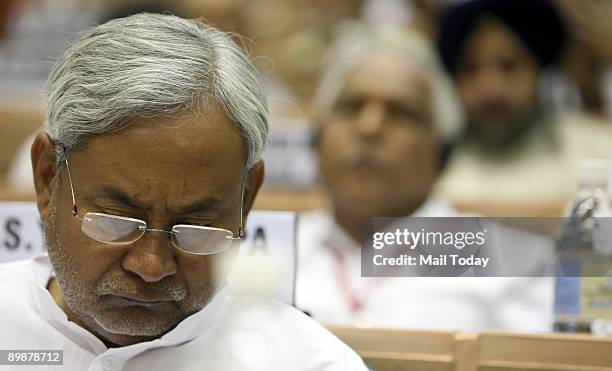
(149, 65)
(355, 41)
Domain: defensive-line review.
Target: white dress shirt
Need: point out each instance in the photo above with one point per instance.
(230, 333)
(335, 293)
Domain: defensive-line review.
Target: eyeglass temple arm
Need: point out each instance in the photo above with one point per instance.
(74, 205)
(241, 229)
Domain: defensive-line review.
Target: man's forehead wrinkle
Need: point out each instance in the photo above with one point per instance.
(148, 180)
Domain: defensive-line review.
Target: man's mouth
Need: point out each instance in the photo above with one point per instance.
(366, 163)
(141, 300)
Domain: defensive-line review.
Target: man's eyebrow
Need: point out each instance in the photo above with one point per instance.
(119, 195)
(204, 205)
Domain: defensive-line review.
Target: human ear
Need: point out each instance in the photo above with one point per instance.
(254, 180)
(44, 168)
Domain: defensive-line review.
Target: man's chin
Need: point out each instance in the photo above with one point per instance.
(500, 131)
(136, 321)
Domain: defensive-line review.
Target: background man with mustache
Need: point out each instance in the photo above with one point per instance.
(148, 166)
(384, 109)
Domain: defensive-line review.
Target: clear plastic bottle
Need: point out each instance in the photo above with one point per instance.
(584, 303)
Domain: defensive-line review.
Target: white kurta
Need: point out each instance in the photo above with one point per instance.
(335, 293)
(230, 333)
(540, 171)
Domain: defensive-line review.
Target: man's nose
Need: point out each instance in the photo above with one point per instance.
(151, 258)
(492, 83)
(370, 120)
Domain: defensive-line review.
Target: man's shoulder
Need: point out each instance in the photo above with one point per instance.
(311, 343)
(320, 345)
(272, 316)
(306, 326)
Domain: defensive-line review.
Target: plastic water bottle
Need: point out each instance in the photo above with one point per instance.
(584, 303)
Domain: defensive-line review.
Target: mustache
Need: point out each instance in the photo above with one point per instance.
(366, 158)
(160, 290)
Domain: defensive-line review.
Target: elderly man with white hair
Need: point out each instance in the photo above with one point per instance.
(147, 169)
(383, 111)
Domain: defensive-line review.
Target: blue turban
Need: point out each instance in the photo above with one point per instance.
(535, 22)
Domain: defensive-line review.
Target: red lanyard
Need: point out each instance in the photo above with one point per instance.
(355, 301)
